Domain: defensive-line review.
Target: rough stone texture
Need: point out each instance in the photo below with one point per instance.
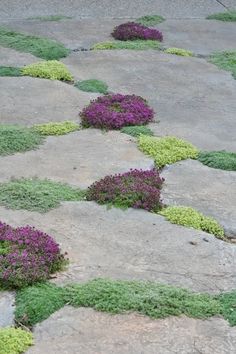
(193, 99)
(133, 244)
(107, 8)
(73, 331)
(79, 158)
(6, 309)
(28, 101)
(209, 190)
(10, 57)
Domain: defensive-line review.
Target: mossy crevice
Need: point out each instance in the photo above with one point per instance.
(138, 44)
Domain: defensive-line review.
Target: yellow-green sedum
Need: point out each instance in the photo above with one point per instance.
(14, 340)
(51, 69)
(179, 51)
(57, 128)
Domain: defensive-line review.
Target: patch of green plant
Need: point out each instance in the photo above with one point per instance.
(10, 71)
(190, 217)
(51, 18)
(40, 47)
(37, 195)
(137, 130)
(52, 69)
(150, 20)
(228, 304)
(138, 44)
(166, 150)
(222, 160)
(14, 340)
(92, 86)
(179, 51)
(4, 248)
(15, 139)
(225, 60)
(228, 16)
(57, 128)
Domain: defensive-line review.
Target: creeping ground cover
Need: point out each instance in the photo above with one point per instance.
(132, 30)
(228, 16)
(137, 130)
(179, 51)
(138, 44)
(14, 340)
(10, 71)
(92, 86)
(150, 20)
(223, 160)
(57, 128)
(225, 60)
(51, 69)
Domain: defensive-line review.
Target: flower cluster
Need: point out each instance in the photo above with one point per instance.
(115, 111)
(27, 255)
(136, 188)
(132, 30)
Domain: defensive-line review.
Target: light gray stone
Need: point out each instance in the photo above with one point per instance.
(10, 57)
(6, 309)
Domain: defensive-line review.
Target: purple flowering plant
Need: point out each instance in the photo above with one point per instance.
(132, 30)
(115, 111)
(27, 256)
(135, 188)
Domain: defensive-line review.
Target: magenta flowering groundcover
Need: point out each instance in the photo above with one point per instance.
(116, 111)
(132, 30)
(27, 256)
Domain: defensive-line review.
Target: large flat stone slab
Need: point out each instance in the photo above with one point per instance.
(10, 57)
(133, 244)
(209, 190)
(193, 99)
(6, 309)
(79, 158)
(73, 331)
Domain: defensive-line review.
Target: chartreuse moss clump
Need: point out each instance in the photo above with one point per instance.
(137, 44)
(222, 160)
(137, 130)
(225, 60)
(37, 195)
(52, 69)
(14, 340)
(10, 71)
(40, 47)
(56, 128)
(150, 20)
(190, 217)
(92, 86)
(179, 51)
(228, 16)
(166, 150)
(15, 139)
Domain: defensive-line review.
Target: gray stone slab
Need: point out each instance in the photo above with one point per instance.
(10, 57)
(73, 331)
(193, 99)
(209, 190)
(231, 4)
(6, 309)
(79, 158)
(133, 244)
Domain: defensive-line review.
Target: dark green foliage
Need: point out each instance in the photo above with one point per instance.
(219, 159)
(36, 195)
(40, 47)
(137, 130)
(228, 304)
(150, 20)
(10, 71)
(229, 16)
(92, 86)
(225, 60)
(18, 139)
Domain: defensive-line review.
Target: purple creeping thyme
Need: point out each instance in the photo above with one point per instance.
(27, 255)
(136, 188)
(115, 111)
(132, 30)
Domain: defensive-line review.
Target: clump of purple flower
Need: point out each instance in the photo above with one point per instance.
(116, 111)
(136, 189)
(27, 256)
(132, 30)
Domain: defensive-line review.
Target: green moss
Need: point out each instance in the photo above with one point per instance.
(92, 86)
(15, 139)
(40, 47)
(36, 195)
(225, 60)
(150, 20)
(229, 16)
(166, 150)
(190, 217)
(228, 304)
(10, 71)
(137, 130)
(50, 18)
(14, 340)
(53, 70)
(57, 128)
(135, 45)
(179, 51)
(222, 160)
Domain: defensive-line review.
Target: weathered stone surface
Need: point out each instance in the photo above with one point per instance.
(6, 309)
(193, 99)
(209, 190)
(10, 57)
(73, 331)
(133, 244)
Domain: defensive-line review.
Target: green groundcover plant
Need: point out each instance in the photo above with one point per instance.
(179, 51)
(190, 217)
(222, 160)
(92, 86)
(52, 69)
(51, 18)
(150, 20)
(138, 44)
(228, 16)
(14, 340)
(225, 60)
(37, 195)
(137, 130)
(10, 71)
(57, 128)
(40, 47)
(166, 150)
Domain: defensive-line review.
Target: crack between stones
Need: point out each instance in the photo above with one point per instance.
(221, 3)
